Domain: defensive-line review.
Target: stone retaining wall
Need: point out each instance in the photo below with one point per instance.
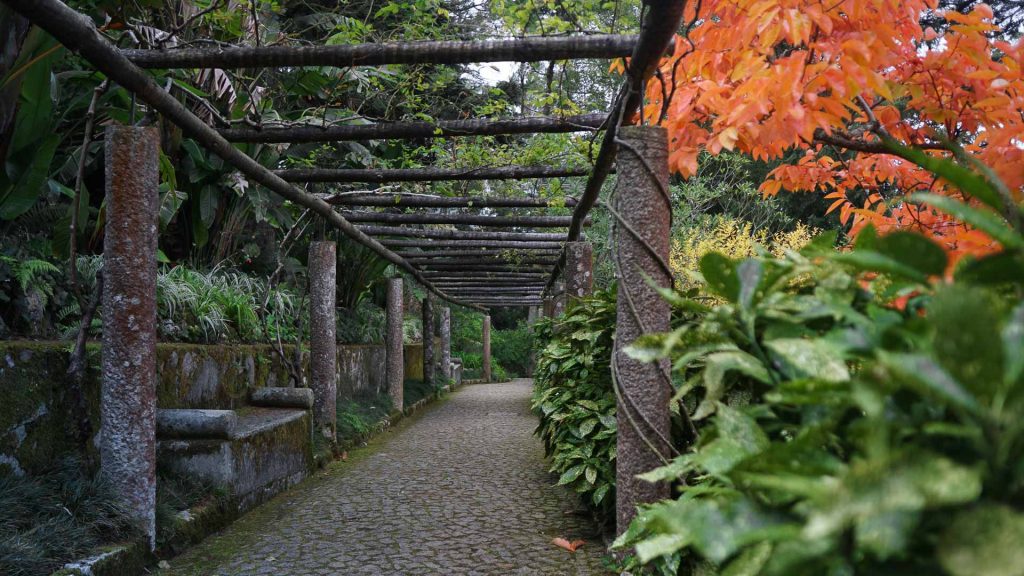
(37, 427)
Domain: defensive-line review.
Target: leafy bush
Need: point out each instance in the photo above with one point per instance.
(574, 399)
(53, 518)
(511, 349)
(365, 324)
(847, 427)
(733, 238)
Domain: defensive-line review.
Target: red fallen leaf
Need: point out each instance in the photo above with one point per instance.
(570, 546)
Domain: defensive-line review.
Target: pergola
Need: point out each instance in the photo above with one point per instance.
(507, 263)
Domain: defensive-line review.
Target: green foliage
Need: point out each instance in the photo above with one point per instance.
(510, 349)
(53, 518)
(844, 428)
(359, 418)
(416, 390)
(220, 306)
(366, 324)
(574, 399)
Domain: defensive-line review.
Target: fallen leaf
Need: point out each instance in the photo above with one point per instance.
(570, 546)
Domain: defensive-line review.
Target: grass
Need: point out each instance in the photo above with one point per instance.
(176, 493)
(54, 518)
(416, 390)
(359, 418)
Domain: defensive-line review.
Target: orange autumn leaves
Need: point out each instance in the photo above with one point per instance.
(768, 76)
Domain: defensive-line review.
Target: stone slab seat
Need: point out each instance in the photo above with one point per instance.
(255, 452)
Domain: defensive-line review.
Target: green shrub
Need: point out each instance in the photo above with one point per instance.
(574, 399)
(511, 349)
(844, 427)
(363, 325)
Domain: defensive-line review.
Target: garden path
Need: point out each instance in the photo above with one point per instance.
(460, 490)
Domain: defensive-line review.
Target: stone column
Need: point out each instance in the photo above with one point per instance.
(640, 199)
(579, 269)
(559, 302)
(396, 367)
(428, 339)
(323, 346)
(128, 398)
(487, 348)
(532, 315)
(549, 306)
(446, 343)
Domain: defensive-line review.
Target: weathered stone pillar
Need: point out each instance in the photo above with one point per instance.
(428, 338)
(549, 307)
(640, 199)
(396, 367)
(532, 315)
(579, 269)
(323, 346)
(487, 348)
(446, 343)
(128, 398)
(559, 303)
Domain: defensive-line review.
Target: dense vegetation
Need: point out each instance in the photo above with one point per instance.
(574, 399)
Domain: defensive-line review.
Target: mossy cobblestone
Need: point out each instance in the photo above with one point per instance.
(460, 489)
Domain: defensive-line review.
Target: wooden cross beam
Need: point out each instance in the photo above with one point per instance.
(406, 130)
(520, 262)
(492, 244)
(467, 219)
(421, 201)
(480, 253)
(383, 176)
(531, 49)
(452, 234)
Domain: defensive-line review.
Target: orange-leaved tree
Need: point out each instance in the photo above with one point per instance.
(881, 105)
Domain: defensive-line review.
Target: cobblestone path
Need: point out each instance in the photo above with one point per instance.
(463, 489)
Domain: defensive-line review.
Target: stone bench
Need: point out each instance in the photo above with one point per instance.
(255, 451)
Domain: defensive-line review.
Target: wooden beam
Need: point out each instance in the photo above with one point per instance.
(484, 254)
(453, 234)
(494, 283)
(382, 176)
(434, 262)
(530, 49)
(405, 130)
(492, 244)
(78, 33)
(466, 219)
(420, 201)
(442, 275)
(483, 268)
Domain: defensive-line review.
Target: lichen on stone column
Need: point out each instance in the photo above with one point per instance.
(394, 344)
(487, 349)
(446, 343)
(128, 397)
(323, 348)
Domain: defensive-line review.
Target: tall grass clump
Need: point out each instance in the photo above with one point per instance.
(53, 518)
